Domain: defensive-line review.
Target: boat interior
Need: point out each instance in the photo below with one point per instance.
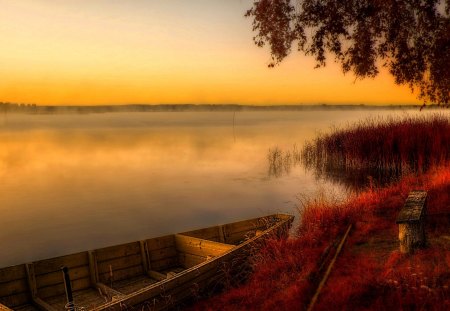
(101, 275)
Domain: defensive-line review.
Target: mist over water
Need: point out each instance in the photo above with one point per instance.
(76, 182)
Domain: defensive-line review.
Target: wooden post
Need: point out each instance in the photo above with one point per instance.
(68, 287)
(411, 222)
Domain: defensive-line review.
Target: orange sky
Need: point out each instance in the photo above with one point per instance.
(138, 51)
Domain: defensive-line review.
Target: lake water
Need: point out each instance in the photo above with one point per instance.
(76, 182)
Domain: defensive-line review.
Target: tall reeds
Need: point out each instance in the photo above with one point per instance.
(381, 148)
(281, 162)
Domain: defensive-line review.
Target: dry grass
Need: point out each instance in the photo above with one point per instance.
(370, 273)
(384, 149)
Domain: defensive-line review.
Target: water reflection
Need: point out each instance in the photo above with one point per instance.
(281, 162)
(77, 182)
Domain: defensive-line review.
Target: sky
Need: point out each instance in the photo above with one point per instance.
(95, 52)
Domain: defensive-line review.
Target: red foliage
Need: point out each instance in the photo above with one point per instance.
(369, 274)
(381, 148)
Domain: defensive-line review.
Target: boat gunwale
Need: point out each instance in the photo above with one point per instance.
(280, 219)
(207, 262)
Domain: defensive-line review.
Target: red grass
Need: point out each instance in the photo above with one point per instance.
(395, 146)
(369, 274)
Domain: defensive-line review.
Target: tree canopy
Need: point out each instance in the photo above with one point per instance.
(411, 38)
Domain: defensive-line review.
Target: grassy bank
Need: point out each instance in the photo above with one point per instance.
(370, 273)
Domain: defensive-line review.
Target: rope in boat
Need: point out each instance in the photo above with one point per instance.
(330, 267)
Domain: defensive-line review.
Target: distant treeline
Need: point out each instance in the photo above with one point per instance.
(37, 109)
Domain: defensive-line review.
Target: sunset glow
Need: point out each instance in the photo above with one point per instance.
(118, 52)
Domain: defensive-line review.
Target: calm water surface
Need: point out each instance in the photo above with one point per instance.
(78, 182)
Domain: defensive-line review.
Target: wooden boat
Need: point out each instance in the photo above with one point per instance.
(157, 273)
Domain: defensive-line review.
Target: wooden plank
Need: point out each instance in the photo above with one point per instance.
(156, 275)
(4, 308)
(26, 307)
(12, 273)
(93, 268)
(119, 263)
(59, 289)
(43, 305)
(13, 287)
(31, 277)
(16, 300)
(55, 264)
(328, 271)
(144, 255)
(108, 291)
(118, 275)
(239, 237)
(163, 288)
(200, 247)
(222, 235)
(190, 260)
(189, 276)
(163, 253)
(210, 233)
(85, 299)
(56, 277)
(117, 251)
(129, 286)
(247, 225)
(160, 242)
(414, 206)
(165, 263)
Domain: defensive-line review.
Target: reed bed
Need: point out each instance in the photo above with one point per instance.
(281, 162)
(381, 148)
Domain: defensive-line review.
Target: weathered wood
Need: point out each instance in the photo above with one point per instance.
(163, 253)
(26, 307)
(4, 308)
(12, 273)
(189, 260)
(238, 237)
(144, 256)
(165, 263)
(93, 268)
(14, 287)
(156, 275)
(16, 300)
(210, 233)
(200, 247)
(55, 264)
(129, 286)
(119, 263)
(56, 277)
(161, 242)
(169, 286)
(31, 277)
(330, 267)
(58, 289)
(129, 266)
(414, 207)
(410, 220)
(123, 250)
(222, 235)
(108, 291)
(118, 275)
(43, 305)
(87, 298)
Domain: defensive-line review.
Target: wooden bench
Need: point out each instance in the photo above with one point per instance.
(411, 222)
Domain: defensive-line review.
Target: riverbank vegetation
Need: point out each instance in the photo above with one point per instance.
(370, 273)
(381, 149)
